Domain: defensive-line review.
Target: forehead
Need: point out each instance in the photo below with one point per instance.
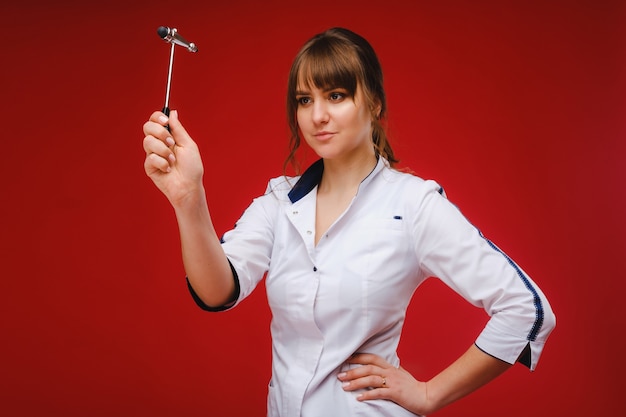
(327, 72)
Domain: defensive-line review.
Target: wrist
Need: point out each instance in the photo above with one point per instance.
(192, 200)
(430, 402)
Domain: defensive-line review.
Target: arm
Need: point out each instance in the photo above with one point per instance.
(450, 248)
(468, 373)
(173, 163)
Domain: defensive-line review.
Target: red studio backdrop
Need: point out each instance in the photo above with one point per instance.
(516, 107)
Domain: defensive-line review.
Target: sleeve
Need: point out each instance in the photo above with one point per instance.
(206, 307)
(450, 248)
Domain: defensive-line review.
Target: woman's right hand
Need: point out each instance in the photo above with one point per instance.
(173, 160)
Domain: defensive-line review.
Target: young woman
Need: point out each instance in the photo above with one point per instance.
(344, 247)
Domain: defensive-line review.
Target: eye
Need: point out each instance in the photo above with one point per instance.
(336, 96)
(304, 100)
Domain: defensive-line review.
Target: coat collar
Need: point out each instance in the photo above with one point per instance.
(313, 175)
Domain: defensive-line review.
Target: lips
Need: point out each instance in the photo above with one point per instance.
(324, 136)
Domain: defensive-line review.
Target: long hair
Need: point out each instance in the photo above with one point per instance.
(339, 58)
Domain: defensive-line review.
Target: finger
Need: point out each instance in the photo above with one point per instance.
(158, 156)
(369, 381)
(369, 359)
(359, 372)
(179, 133)
(154, 163)
(156, 129)
(152, 145)
(374, 394)
(156, 126)
(160, 118)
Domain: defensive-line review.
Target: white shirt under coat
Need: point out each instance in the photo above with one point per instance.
(349, 293)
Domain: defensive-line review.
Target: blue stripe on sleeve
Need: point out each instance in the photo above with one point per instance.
(534, 331)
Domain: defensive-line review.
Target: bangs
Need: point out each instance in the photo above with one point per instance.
(327, 66)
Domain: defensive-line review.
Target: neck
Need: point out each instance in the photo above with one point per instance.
(346, 175)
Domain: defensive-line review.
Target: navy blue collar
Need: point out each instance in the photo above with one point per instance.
(313, 175)
(309, 180)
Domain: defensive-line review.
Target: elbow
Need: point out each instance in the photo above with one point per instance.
(208, 304)
(549, 320)
(220, 295)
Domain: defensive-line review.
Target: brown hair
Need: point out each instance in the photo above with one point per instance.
(339, 58)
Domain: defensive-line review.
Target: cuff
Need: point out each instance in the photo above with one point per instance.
(204, 306)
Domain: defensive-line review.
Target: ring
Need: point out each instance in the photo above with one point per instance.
(384, 382)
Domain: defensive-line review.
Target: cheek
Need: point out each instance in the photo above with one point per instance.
(301, 119)
(358, 118)
(362, 122)
(303, 125)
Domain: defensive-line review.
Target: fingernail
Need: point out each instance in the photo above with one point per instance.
(345, 384)
(341, 375)
(171, 157)
(163, 119)
(170, 141)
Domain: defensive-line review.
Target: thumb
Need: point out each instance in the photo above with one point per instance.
(177, 130)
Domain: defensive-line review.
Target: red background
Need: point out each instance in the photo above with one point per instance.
(516, 108)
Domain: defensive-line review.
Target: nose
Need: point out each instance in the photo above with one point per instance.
(319, 112)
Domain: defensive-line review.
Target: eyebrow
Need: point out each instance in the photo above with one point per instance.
(324, 90)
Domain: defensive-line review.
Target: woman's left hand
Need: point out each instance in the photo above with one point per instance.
(384, 381)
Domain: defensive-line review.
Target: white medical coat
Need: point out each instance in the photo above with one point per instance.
(349, 293)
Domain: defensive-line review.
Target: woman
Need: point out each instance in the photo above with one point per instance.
(344, 247)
